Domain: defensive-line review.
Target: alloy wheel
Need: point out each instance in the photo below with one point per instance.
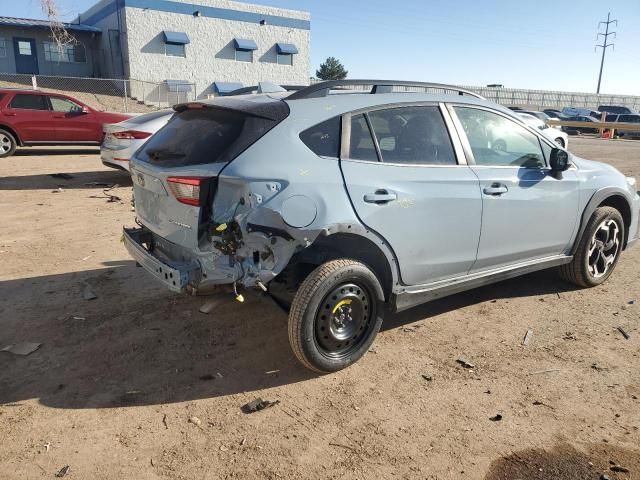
(604, 248)
(5, 143)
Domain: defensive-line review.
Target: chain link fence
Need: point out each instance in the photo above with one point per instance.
(137, 96)
(108, 94)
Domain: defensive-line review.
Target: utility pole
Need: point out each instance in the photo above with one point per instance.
(605, 43)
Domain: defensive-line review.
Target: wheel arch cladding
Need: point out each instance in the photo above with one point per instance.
(354, 247)
(622, 205)
(12, 132)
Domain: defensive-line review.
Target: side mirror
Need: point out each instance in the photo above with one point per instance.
(559, 160)
(85, 109)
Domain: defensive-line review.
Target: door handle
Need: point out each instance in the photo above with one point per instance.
(380, 197)
(496, 189)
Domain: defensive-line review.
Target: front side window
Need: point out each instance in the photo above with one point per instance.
(412, 135)
(64, 53)
(175, 50)
(285, 59)
(3, 47)
(29, 102)
(498, 141)
(60, 104)
(244, 56)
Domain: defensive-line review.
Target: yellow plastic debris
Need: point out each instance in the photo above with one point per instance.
(221, 228)
(240, 298)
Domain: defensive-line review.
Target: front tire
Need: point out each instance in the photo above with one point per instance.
(8, 144)
(560, 141)
(598, 251)
(335, 315)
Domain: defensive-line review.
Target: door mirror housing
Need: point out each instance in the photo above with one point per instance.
(85, 109)
(559, 160)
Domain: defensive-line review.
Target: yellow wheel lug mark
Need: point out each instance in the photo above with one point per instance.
(340, 304)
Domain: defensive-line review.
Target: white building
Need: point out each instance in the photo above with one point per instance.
(211, 46)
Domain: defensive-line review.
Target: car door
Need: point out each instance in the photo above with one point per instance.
(74, 122)
(528, 212)
(409, 182)
(29, 115)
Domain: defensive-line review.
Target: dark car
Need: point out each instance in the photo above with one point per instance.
(628, 118)
(33, 117)
(555, 114)
(577, 130)
(615, 109)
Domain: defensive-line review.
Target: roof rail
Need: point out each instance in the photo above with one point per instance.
(260, 89)
(322, 89)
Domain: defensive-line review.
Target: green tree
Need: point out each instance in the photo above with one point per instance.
(331, 69)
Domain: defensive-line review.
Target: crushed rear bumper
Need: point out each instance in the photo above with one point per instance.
(175, 277)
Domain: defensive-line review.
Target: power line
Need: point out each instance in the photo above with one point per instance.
(605, 43)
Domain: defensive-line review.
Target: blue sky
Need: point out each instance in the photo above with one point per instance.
(539, 44)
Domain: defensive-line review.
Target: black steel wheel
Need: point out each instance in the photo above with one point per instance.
(335, 315)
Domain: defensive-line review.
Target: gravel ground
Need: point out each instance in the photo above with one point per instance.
(111, 391)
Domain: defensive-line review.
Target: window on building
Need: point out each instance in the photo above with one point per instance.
(244, 56)
(285, 59)
(3, 47)
(64, 53)
(24, 48)
(175, 50)
(29, 102)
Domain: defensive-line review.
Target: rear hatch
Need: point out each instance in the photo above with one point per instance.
(175, 173)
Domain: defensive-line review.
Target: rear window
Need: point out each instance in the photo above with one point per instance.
(323, 139)
(29, 102)
(204, 135)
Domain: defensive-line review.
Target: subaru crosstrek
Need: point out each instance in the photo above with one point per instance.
(344, 204)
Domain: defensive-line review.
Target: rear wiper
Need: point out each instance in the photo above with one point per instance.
(164, 154)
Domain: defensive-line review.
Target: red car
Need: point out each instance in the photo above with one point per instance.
(33, 117)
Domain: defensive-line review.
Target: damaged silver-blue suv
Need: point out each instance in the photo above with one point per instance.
(346, 199)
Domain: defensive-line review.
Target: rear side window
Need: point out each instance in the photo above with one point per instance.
(204, 135)
(323, 139)
(362, 146)
(413, 135)
(29, 102)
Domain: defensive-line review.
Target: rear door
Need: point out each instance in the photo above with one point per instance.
(528, 213)
(31, 117)
(409, 182)
(72, 123)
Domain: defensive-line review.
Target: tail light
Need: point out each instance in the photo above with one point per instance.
(186, 189)
(131, 135)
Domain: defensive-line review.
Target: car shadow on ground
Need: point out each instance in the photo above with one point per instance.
(73, 180)
(33, 151)
(137, 344)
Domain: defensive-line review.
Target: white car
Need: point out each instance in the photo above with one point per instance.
(121, 140)
(555, 134)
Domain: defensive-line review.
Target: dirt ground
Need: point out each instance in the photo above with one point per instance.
(112, 388)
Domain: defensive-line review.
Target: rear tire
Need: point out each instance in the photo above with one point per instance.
(8, 143)
(598, 251)
(335, 315)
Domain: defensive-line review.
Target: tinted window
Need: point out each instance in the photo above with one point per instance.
(324, 139)
(175, 50)
(244, 55)
(60, 104)
(29, 102)
(414, 135)
(200, 136)
(361, 146)
(498, 141)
